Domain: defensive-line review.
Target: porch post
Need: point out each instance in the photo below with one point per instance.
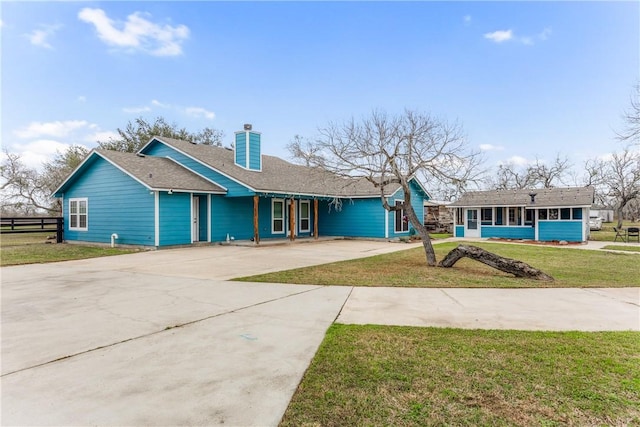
(292, 220)
(315, 219)
(256, 230)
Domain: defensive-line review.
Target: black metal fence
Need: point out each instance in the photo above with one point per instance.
(33, 225)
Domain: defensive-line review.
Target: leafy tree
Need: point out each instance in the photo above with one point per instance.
(139, 131)
(390, 150)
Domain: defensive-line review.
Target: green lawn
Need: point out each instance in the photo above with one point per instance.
(623, 248)
(570, 268)
(30, 248)
(606, 234)
(406, 376)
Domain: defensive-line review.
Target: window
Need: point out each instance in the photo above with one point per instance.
(459, 217)
(304, 215)
(487, 216)
(499, 216)
(529, 216)
(515, 216)
(542, 214)
(402, 222)
(277, 216)
(553, 213)
(577, 213)
(78, 213)
(565, 213)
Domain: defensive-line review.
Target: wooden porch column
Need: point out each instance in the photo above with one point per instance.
(315, 219)
(292, 220)
(256, 230)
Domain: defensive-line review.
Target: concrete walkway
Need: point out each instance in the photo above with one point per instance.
(162, 338)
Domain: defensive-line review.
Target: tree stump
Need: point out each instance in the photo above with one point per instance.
(508, 265)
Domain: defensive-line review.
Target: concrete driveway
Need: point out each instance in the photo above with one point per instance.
(161, 338)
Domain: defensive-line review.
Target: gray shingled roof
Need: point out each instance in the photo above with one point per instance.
(545, 197)
(277, 175)
(160, 173)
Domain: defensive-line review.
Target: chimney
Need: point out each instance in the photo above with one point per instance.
(247, 150)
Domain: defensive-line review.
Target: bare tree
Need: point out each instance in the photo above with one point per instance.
(510, 176)
(304, 151)
(631, 117)
(392, 150)
(29, 190)
(621, 176)
(23, 189)
(538, 174)
(550, 175)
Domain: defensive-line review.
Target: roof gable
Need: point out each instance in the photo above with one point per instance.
(155, 173)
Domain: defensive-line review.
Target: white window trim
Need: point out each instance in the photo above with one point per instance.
(78, 200)
(308, 218)
(395, 219)
(273, 218)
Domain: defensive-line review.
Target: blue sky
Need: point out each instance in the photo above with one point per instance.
(526, 79)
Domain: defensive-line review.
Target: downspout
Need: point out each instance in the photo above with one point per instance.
(114, 237)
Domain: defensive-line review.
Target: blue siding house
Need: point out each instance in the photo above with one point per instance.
(549, 214)
(174, 192)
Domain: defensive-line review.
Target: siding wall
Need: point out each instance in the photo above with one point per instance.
(459, 232)
(240, 149)
(507, 232)
(175, 219)
(571, 231)
(255, 158)
(358, 218)
(233, 216)
(116, 204)
(234, 189)
(417, 201)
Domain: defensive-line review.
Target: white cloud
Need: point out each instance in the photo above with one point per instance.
(491, 147)
(545, 34)
(508, 35)
(35, 153)
(136, 110)
(499, 36)
(102, 136)
(200, 112)
(197, 112)
(517, 161)
(40, 36)
(56, 129)
(81, 98)
(137, 33)
(157, 103)
(466, 19)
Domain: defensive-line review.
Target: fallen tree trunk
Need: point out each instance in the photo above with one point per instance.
(508, 265)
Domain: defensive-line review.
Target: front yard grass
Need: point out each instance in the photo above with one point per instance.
(407, 376)
(569, 267)
(623, 248)
(29, 248)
